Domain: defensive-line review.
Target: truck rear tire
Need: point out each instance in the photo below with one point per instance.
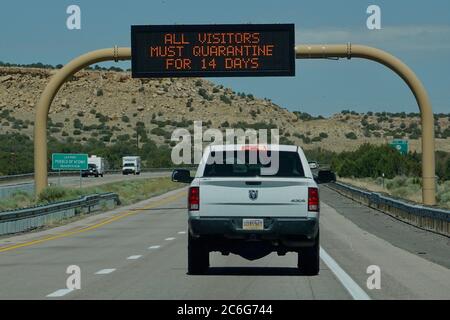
(198, 256)
(309, 259)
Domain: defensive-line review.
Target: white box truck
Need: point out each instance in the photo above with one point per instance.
(99, 163)
(131, 165)
(96, 167)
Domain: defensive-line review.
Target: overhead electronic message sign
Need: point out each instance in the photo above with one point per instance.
(213, 50)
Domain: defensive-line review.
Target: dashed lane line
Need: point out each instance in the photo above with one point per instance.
(105, 271)
(59, 293)
(135, 257)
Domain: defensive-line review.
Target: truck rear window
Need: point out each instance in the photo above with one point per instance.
(290, 165)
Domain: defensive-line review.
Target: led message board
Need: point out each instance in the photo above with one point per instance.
(213, 50)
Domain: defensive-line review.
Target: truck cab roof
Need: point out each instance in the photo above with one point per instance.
(250, 147)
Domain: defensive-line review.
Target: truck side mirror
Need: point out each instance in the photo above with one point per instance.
(325, 176)
(182, 175)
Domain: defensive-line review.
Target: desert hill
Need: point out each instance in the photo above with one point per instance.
(111, 106)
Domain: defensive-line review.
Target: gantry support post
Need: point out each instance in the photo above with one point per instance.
(358, 51)
(43, 106)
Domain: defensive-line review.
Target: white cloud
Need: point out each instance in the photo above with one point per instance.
(411, 38)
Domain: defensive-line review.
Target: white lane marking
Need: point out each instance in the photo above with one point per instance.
(105, 271)
(59, 293)
(169, 239)
(182, 232)
(350, 285)
(154, 247)
(134, 257)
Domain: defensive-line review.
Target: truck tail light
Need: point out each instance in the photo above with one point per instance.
(194, 198)
(313, 199)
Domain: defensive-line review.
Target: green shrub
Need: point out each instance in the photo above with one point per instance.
(225, 99)
(306, 140)
(77, 124)
(161, 132)
(124, 137)
(52, 194)
(372, 161)
(106, 138)
(351, 136)
(204, 94)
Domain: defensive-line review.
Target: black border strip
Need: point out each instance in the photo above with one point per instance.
(288, 27)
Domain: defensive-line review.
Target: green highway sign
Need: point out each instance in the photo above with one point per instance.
(69, 162)
(400, 145)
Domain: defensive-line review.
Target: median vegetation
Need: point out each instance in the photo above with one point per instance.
(365, 167)
(372, 161)
(130, 191)
(403, 187)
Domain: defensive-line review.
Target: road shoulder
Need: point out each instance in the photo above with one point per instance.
(428, 245)
(403, 275)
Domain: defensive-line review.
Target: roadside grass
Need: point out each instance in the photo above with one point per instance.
(130, 191)
(408, 188)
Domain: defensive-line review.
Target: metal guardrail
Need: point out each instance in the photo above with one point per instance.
(428, 218)
(77, 173)
(16, 177)
(21, 220)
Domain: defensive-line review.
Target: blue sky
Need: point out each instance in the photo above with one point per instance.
(418, 32)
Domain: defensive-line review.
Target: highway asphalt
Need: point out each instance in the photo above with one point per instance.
(139, 252)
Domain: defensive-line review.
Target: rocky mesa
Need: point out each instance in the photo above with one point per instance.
(110, 106)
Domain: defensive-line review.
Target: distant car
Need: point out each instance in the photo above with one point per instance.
(90, 171)
(313, 165)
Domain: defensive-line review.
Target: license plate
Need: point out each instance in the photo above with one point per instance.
(253, 224)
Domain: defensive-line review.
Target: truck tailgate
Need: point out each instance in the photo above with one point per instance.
(254, 197)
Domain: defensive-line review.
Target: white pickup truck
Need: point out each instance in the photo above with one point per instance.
(234, 208)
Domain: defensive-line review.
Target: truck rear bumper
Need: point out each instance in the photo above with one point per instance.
(274, 228)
